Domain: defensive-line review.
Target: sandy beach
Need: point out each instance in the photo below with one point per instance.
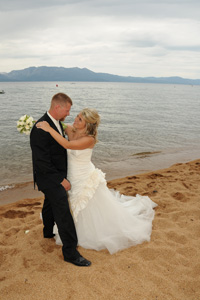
(166, 268)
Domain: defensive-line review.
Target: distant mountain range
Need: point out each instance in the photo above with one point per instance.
(78, 74)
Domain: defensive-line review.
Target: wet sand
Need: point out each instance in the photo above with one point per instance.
(167, 267)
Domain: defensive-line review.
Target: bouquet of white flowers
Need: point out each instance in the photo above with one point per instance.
(25, 124)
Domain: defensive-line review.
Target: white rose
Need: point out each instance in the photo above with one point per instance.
(27, 132)
(21, 123)
(23, 118)
(18, 128)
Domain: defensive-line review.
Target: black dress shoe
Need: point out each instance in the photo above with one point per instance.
(49, 236)
(80, 261)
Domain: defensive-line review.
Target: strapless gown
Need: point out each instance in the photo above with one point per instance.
(103, 218)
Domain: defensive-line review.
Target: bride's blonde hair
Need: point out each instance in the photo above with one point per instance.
(92, 120)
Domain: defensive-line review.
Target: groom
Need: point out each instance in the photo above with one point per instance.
(50, 171)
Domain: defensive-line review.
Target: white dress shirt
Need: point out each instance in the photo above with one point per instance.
(56, 122)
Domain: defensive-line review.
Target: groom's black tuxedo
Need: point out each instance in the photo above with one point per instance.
(49, 170)
(49, 158)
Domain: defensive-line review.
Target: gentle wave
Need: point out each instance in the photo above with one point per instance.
(6, 187)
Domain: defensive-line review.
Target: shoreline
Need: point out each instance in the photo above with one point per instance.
(22, 190)
(135, 163)
(19, 191)
(166, 267)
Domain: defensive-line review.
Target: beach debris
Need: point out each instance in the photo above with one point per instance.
(26, 231)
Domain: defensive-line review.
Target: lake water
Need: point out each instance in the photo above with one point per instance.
(160, 121)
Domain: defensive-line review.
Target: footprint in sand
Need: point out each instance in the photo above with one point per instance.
(13, 214)
(177, 238)
(151, 184)
(179, 196)
(12, 231)
(128, 188)
(155, 175)
(29, 204)
(132, 177)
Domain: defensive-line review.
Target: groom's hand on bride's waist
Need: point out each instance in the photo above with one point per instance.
(66, 184)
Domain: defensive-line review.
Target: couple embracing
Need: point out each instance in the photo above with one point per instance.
(79, 209)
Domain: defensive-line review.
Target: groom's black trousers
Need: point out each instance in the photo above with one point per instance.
(56, 209)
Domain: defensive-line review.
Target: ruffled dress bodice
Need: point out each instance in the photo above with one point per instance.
(84, 179)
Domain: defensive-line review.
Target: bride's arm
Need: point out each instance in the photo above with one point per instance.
(80, 144)
(68, 129)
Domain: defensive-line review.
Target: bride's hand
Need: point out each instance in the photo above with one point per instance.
(43, 125)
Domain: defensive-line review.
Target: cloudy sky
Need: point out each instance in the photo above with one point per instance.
(124, 37)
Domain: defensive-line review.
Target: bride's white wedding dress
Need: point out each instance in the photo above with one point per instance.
(104, 219)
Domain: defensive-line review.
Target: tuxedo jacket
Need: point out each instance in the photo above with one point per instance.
(49, 158)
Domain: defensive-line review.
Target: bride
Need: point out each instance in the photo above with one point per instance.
(103, 218)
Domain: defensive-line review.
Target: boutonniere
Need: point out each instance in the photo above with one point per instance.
(64, 126)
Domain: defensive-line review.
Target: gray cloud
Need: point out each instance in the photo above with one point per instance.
(125, 37)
